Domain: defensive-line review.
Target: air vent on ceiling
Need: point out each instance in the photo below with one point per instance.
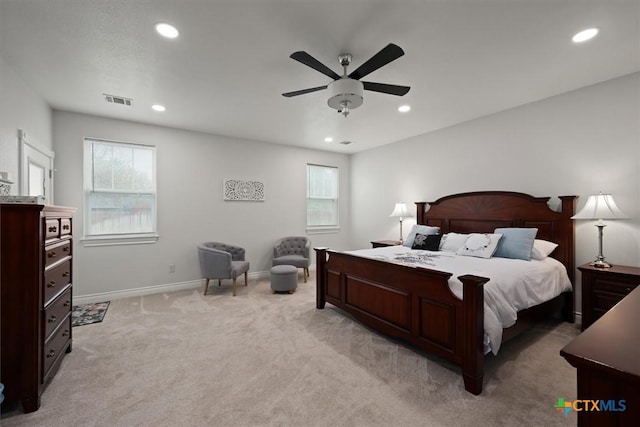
(118, 99)
(346, 142)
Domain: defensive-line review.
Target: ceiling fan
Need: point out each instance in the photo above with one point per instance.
(346, 90)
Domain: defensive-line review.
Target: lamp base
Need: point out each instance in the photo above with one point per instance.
(600, 263)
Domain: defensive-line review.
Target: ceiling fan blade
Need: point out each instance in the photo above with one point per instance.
(310, 61)
(385, 88)
(303, 91)
(389, 53)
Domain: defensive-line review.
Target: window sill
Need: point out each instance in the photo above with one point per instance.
(323, 230)
(125, 239)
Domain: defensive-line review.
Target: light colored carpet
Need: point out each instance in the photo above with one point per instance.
(275, 360)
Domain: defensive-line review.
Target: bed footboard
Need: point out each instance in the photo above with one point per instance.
(410, 303)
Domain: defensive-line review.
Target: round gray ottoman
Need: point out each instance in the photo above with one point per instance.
(284, 278)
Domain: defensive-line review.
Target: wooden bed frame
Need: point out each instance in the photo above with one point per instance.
(415, 304)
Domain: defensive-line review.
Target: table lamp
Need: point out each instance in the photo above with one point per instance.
(400, 211)
(600, 207)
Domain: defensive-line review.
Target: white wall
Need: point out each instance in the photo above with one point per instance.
(190, 168)
(20, 108)
(577, 143)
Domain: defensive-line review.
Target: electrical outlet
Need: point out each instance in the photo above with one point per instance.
(172, 268)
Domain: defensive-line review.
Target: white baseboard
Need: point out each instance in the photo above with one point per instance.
(149, 290)
(578, 317)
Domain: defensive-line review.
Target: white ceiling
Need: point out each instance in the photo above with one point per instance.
(226, 72)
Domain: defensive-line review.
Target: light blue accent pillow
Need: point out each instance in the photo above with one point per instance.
(422, 229)
(515, 243)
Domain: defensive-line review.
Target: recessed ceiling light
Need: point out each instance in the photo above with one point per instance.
(166, 30)
(585, 35)
(158, 107)
(404, 108)
(328, 139)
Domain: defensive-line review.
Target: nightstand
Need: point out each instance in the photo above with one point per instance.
(602, 288)
(383, 243)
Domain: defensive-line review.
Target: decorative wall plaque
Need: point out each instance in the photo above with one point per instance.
(235, 189)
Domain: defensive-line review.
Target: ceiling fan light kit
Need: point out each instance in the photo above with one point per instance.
(345, 95)
(346, 91)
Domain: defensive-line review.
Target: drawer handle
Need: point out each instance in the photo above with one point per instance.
(53, 229)
(65, 274)
(66, 249)
(67, 303)
(65, 333)
(52, 319)
(51, 284)
(51, 353)
(65, 227)
(51, 254)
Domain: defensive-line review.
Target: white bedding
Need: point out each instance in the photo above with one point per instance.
(514, 284)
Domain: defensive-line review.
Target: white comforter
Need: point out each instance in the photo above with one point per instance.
(514, 284)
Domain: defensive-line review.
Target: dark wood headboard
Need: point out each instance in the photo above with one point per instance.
(484, 211)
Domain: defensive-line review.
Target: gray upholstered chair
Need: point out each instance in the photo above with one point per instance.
(293, 250)
(222, 261)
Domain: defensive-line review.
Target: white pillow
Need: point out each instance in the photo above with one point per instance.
(480, 245)
(453, 241)
(422, 229)
(542, 249)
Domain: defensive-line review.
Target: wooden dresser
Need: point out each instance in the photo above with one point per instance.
(607, 358)
(35, 304)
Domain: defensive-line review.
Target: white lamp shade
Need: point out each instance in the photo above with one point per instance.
(400, 210)
(600, 206)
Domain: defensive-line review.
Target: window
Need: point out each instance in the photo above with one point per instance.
(322, 198)
(120, 193)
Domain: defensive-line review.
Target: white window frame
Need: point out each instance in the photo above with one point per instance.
(330, 228)
(116, 238)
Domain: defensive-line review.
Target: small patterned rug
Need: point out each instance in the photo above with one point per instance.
(85, 314)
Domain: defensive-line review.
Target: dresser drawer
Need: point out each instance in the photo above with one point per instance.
(56, 279)
(65, 227)
(56, 312)
(51, 229)
(55, 347)
(607, 293)
(601, 302)
(620, 285)
(54, 253)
